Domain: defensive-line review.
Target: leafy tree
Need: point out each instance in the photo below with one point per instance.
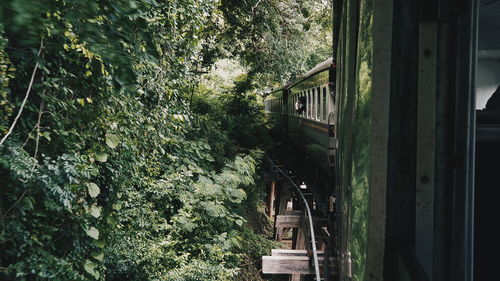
(115, 162)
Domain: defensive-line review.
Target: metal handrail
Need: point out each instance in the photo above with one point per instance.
(311, 225)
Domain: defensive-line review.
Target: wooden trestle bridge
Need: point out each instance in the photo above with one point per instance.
(307, 253)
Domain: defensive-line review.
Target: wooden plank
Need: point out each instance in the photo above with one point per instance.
(289, 252)
(288, 265)
(291, 221)
(293, 213)
(287, 221)
(287, 243)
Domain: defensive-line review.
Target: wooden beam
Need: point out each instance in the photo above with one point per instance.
(288, 252)
(300, 240)
(294, 221)
(285, 193)
(287, 221)
(289, 265)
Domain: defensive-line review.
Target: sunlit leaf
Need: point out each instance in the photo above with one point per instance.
(112, 140)
(90, 268)
(93, 189)
(95, 211)
(93, 232)
(101, 157)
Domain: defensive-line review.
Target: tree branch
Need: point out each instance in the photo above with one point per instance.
(25, 98)
(37, 138)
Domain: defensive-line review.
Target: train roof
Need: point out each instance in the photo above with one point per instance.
(318, 68)
(327, 64)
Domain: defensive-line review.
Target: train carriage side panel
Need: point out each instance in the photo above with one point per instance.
(275, 106)
(309, 131)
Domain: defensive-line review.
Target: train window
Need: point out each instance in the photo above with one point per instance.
(304, 98)
(318, 103)
(308, 103)
(290, 105)
(487, 145)
(308, 95)
(305, 109)
(296, 99)
(325, 104)
(488, 55)
(293, 104)
(313, 104)
(302, 114)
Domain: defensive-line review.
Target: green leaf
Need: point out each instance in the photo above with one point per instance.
(98, 256)
(111, 220)
(93, 232)
(99, 243)
(93, 189)
(239, 222)
(101, 157)
(112, 140)
(46, 135)
(90, 268)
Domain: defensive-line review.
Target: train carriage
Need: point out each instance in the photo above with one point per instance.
(311, 114)
(414, 162)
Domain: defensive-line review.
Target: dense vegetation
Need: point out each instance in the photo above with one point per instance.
(119, 158)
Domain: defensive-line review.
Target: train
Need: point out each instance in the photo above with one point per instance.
(392, 131)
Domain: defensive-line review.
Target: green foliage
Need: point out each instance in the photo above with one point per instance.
(278, 39)
(6, 73)
(120, 167)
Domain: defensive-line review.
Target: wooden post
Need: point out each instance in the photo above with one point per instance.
(285, 194)
(270, 199)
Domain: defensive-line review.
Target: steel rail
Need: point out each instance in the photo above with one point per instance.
(311, 225)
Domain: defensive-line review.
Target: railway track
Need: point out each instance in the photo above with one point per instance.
(297, 225)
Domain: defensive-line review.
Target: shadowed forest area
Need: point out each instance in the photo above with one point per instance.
(132, 133)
